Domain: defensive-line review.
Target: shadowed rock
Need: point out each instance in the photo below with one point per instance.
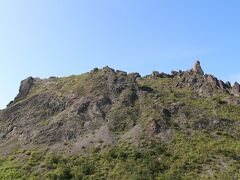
(228, 84)
(25, 87)
(222, 84)
(94, 70)
(155, 74)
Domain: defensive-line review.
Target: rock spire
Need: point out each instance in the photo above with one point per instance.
(197, 68)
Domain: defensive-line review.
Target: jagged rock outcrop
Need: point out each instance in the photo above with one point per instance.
(156, 74)
(212, 80)
(236, 89)
(216, 83)
(123, 73)
(25, 88)
(104, 95)
(94, 70)
(134, 76)
(228, 84)
(222, 84)
(197, 68)
(174, 73)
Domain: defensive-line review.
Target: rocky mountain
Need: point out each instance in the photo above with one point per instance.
(109, 124)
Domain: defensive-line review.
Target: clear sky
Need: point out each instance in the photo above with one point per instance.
(43, 38)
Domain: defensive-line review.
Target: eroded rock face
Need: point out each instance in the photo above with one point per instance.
(197, 68)
(25, 87)
(222, 84)
(107, 98)
(217, 83)
(212, 80)
(236, 89)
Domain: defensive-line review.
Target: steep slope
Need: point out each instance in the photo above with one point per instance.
(162, 126)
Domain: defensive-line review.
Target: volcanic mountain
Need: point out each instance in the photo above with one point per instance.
(109, 124)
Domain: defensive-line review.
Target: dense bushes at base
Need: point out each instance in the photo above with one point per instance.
(183, 158)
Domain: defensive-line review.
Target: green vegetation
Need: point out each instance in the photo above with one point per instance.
(194, 157)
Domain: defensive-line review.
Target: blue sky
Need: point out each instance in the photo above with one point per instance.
(59, 38)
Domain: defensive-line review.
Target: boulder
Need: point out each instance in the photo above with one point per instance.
(197, 68)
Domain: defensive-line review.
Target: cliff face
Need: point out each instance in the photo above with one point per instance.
(105, 108)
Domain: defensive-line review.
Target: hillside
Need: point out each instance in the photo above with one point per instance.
(108, 124)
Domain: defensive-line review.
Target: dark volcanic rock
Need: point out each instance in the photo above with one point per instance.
(228, 84)
(174, 73)
(222, 84)
(25, 88)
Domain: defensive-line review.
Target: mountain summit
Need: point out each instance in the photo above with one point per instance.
(109, 124)
(197, 68)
